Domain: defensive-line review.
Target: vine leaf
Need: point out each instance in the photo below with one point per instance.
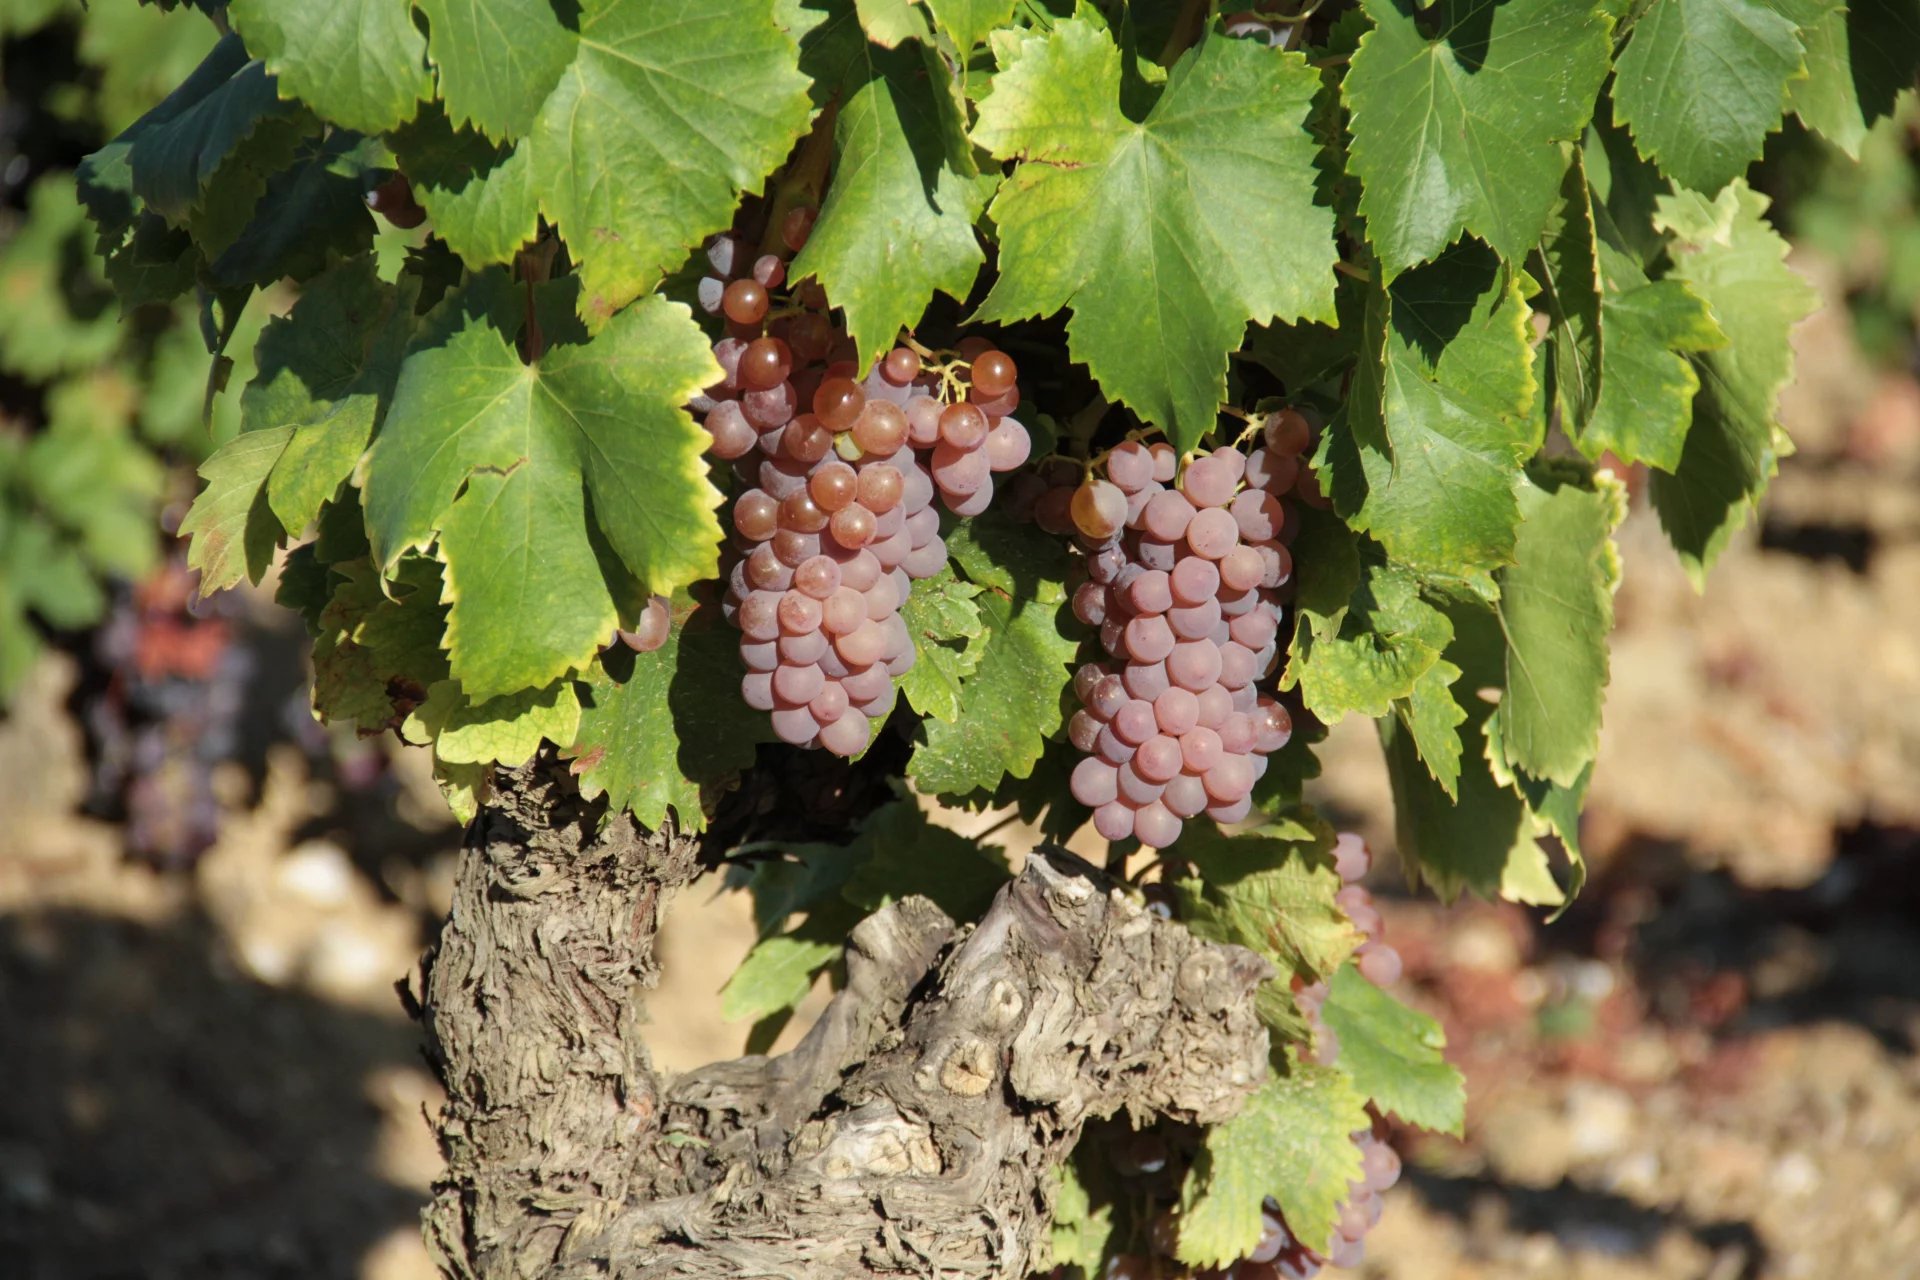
(944, 620)
(1394, 1055)
(1141, 226)
(897, 224)
(1293, 1142)
(505, 730)
(376, 648)
(1567, 264)
(651, 120)
(656, 729)
(1433, 716)
(492, 80)
(360, 63)
(905, 854)
(1701, 83)
(1652, 327)
(326, 370)
(1461, 131)
(499, 459)
(231, 527)
(779, 970)
(1370, 650)
(1727, 254)
(1556, 610)
(888, 23)
(970, 21)
(1260, 890)
(1440, 425)
(1011, 702)
(201, 158)
(666, 115)
(479, 193)
(1482, 836)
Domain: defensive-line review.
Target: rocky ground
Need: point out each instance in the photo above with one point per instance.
(1705, 1071)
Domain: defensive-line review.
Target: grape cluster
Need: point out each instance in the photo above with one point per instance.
(833, 517)
(1185, 583)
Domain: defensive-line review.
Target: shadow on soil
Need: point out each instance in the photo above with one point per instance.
(162, 1116)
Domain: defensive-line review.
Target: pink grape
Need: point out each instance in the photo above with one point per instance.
(794, 684)
(1094, 782)
(848, 735)
(1212, 533)
(1155, 826)
(809, 647)
(1150, 639)
(1113, 820)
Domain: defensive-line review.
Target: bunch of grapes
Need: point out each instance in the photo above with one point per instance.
(833, 515)
(1184, 581)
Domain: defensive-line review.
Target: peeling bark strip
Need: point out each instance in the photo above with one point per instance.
(914, 1132)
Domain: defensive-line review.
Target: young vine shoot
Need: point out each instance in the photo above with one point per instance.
(1069, 409)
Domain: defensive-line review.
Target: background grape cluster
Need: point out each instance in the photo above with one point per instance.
(833, 516)
(1187, 571)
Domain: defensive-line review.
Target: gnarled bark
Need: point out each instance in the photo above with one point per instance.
(915, 1130)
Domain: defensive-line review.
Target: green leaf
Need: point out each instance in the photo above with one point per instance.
(326, 371)
(1556, 610)
(1461, 131)
(1370, 650)
(1883, 48)
(1701, 83)
(889, 22)
(1443, 424)
(944, 621)
(171, 155)
(659, 729)
(779, 970)
(376, 650)
(1727, 255)
(1262, 890)
(1141, 227)
(479, 194)
(1567, 264)
(231, 524)
(667, 114)
(1647, 404)
(1395, 1056)
(498, 459)
(1080, 1232)
(897, 224)
(498, 59)
(1292, 1142)
(360, 63)
(906, 855)
(1010, 704)
(1483, 837)
(308, 215)
(505, 731)
(1433, 717)
(969, 21)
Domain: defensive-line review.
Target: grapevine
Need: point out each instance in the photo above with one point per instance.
(747, 436)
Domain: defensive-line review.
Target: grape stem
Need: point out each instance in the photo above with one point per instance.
(1358, 273)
